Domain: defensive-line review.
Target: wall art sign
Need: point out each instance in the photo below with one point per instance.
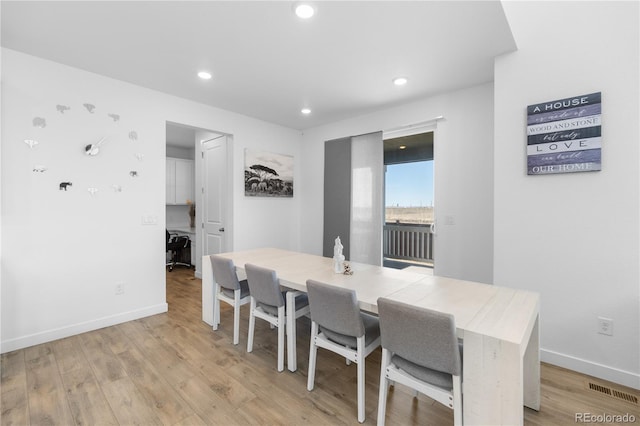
(564, 136)
(267, 174)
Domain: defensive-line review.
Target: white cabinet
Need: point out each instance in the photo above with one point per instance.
(180, 181)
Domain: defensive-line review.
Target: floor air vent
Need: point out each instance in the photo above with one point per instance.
(614, 393)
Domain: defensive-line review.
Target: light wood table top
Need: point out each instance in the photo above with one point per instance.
(463, 299)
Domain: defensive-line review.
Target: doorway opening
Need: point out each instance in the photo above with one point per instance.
(179, 196)
(198, 203)
(409, 201)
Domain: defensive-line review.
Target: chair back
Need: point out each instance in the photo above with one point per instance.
(264, 285)
(422, 336)
(335, 308)
(224, 272)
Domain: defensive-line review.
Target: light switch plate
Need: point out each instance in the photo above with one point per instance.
(149, 220)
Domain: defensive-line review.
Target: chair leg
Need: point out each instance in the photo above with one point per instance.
(360, 362)
(292, 360)
(281, 330)
(252, 325)
(384, 387)
(216, 306)
(236, 316)
(313, 349)
(173, 260)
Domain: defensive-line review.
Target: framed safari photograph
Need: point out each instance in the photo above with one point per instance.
(267, 174)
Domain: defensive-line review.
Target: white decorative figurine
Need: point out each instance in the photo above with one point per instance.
(338, 257)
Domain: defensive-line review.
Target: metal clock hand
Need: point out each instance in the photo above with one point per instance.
(94, 149)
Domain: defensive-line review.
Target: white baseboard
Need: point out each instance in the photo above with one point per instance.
(83, 327)
(625, 378)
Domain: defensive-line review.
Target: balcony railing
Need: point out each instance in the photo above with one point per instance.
(408, 242)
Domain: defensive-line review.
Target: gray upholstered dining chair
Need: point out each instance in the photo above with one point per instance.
(268, 303)
(338, 325)
(228, 289)
(420, 349)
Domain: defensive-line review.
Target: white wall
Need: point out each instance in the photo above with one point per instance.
(463, 176)
(267, 221)
(64, 252)
(573, 238)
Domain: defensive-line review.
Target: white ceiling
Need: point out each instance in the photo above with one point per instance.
(266, 62)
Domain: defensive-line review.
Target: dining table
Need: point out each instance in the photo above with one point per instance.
(498, 326)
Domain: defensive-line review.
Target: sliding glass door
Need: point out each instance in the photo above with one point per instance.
(408, 231)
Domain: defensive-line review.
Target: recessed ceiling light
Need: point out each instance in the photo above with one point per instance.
(402, 147)
(400, 81)
(204, 75)
(305, 111)
(304, 10)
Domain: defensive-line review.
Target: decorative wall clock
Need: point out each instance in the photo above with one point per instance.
(45, 134)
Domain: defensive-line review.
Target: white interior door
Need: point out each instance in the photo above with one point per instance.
(214, 187)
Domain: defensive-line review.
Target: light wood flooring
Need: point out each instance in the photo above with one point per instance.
(173, 369)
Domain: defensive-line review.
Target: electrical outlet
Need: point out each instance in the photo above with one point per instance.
(119, 288)
(605, 326)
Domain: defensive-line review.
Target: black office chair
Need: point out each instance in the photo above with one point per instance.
(177, 245)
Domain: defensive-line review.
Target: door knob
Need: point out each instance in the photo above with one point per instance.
(221, 229)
